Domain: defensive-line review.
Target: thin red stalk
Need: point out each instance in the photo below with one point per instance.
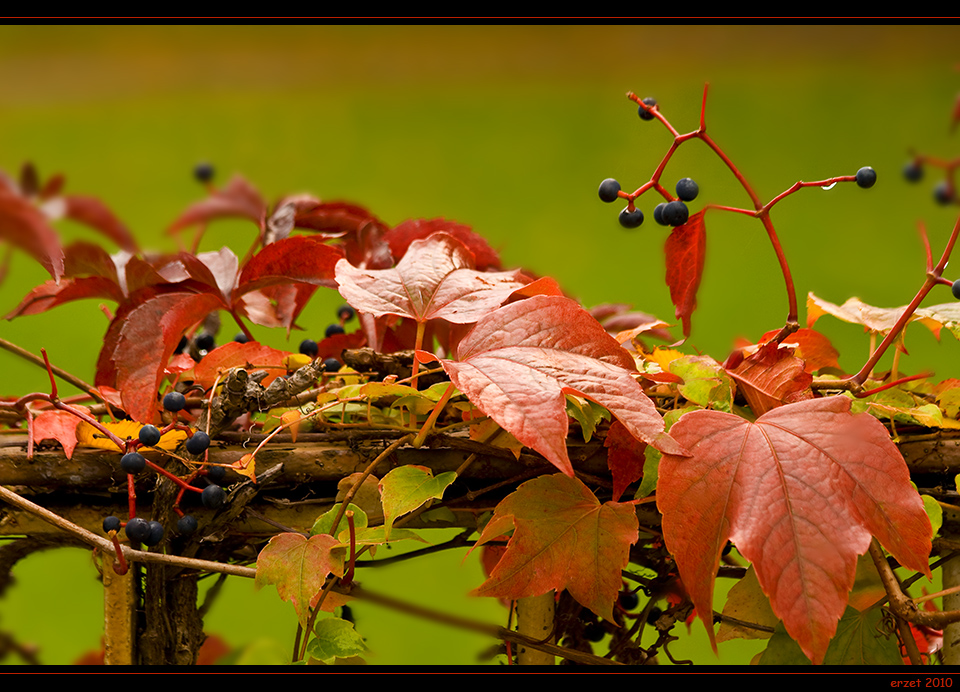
(131, 496)
(53, 382)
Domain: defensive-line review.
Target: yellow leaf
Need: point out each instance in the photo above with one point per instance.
(89, 436)
(246, 466)
(295, 361)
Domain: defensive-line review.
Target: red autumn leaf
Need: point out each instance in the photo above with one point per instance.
(400, 237)
(519, 361)
(686, 249)
(58, 425)
(625, 457)
(816, 351)
(89, 272)
(800, 492)
(299, 259)
(434, 279)
(563, 538)
(141, 338)
(24, 225)
(771, 377)
(327, 219)
(91, 212)
(236, 355)
(237, 199)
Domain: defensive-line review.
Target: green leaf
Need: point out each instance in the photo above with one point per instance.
(934, 512)
(377, 535)
(406, 488)
(324, 522)
(587, 413)
(746, 602)
(858, 641)
(705, 382)
(651, 464)
(335, 638)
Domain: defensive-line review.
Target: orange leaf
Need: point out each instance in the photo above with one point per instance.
(563, 539)
(800, 492)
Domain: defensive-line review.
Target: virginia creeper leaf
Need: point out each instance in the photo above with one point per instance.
(140, 340)
(770, 377)
(405, 488)
(335, 638)
(400, 237)
(24, 225)
(800, 492)
(298, 566)
(92, 212)
(434, 279)
(251, 355)
(814, 349)
(58, 425)
(686, 248)
(625, 457)
(238, 198)
(563, 538)
(519, 361)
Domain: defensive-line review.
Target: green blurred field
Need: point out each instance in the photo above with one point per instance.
(509, 130)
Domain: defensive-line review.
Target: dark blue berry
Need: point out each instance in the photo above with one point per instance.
(594, 632)
(956, 289)
(212, 497)
(186, 524)
(216, 473)
(866, 177)
(631, 219)
(345, 313)
(658, 214)
(241, 338)
(331, 364)
(198, 443)
(943, 193)
(308, 347)
(174, 401)
(203, 172)
(687, 189)
(644, 114)
(675, 213)
(334, 329)
(628, 600)
(154, 533)
(149, 435)
(913, 171)
(133, 462)
(206, 342)
(111, 523)
(609, 189)
(182, 345)
(137, 529)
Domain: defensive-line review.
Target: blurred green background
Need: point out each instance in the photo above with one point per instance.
(508, 129)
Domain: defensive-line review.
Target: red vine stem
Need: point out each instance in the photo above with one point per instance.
(933, 277)
(761, 211)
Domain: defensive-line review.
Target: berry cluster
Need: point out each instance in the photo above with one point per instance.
(944, 192)
(671, 213)
(151, 533)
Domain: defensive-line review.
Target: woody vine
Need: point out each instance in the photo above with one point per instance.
(608, 476)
